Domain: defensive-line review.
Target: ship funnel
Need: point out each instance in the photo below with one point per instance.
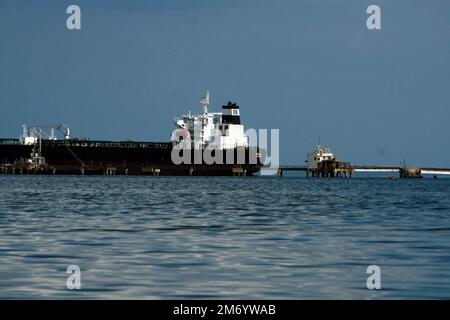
(230, 113)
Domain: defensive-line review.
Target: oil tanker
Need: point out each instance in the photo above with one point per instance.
(210, 144)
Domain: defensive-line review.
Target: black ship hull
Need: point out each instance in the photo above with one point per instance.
(85, 157)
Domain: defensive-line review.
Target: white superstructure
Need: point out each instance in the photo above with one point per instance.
(219, 130)
(320, 154)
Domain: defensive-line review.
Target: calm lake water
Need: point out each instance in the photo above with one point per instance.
(174, 238)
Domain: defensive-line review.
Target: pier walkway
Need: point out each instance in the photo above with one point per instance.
(299, 168)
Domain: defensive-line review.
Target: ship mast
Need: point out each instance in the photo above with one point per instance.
(205, 103)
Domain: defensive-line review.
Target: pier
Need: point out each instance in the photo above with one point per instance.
(327, 169)
(337, 169)
(322, 163)
(357, 168)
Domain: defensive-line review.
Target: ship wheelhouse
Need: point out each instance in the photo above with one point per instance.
(219, 130)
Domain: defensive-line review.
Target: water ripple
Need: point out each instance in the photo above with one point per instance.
(147, 237)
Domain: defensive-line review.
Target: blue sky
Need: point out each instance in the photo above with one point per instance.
(310, 68)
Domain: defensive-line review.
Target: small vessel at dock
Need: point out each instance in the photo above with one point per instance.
(323, 163)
